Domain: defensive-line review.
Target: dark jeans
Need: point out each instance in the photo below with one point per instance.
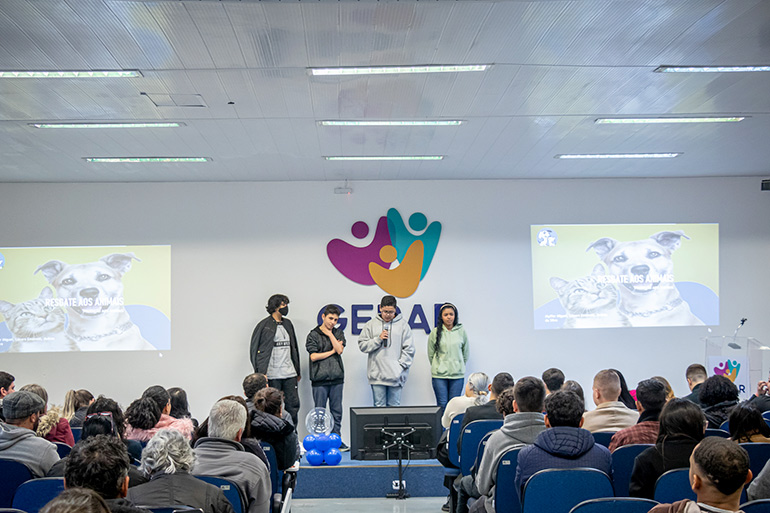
(290, 395)
(445, 389)
(334, 394)
(466, 488)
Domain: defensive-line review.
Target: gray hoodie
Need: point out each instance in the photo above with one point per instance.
(23, 445)
(518, 430)
(388, 360)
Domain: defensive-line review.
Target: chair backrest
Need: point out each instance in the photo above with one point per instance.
(717, 432)
(34, 494)
(674, 486)
(472, 435)
(480, 450)
(603, 438)
(11, 510)
(13, 475)
(454, 434)
(171, 509)
(506, 496)
(76, 432)
(759, 453)
(622, 465)
(63, 449)
(232, 491)
(275, 474)
(757, 506)
(615, 505)
(725, 426)
(574, 486)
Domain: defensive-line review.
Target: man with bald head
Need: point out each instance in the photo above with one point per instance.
(610, 414)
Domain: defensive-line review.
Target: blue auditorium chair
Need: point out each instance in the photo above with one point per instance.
(623, 464)
(757, 506)
(673, 486)
(454, 434)
(472, 435)
(506, 497)
(276, 476)
(76, 432)
(717, 432)
(36, 493)
(615, 505)
(603, 438)
(63, 449)
(232, 491)
(560, 490)
(759, 453)
(13, 475)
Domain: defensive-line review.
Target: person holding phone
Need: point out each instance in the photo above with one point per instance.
(761, 399)
(387, 340)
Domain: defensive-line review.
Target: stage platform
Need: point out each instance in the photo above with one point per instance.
(357, 479)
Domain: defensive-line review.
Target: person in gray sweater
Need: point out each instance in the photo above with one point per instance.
(520, 428)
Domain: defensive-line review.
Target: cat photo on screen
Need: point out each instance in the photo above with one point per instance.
(36, 325)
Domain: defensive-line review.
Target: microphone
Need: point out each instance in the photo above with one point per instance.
(734, 344)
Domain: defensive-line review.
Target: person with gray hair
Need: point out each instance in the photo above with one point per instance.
(167, 461)
(476, 393)
(221, 454)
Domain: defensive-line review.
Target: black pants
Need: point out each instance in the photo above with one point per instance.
(289, 387)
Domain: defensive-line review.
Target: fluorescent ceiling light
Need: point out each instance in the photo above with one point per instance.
(392, 157)
(385, 70)
(107, 125)
(391, 123)
(617, 156)
(142, 160)
(69, 74)
(628, 121)
(709, 69)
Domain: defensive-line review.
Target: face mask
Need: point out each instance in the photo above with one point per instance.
(284, 310)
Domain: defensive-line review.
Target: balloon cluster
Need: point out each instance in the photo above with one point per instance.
(323, 448)
(320, 445)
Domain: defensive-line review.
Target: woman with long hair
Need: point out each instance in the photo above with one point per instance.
(747, 424)
(150, 413)
(682, 427)
(75, 405)
(448, 352)
(476, 393)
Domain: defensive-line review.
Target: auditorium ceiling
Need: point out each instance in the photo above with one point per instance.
(236, 76)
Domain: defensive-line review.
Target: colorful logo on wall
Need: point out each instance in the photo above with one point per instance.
(393, 242)
(728, 369)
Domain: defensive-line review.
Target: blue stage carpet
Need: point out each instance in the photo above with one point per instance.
(353, 478)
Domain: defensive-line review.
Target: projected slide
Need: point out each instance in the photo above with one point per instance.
(616, 276)
(108, 298)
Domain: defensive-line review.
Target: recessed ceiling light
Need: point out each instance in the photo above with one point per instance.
(142, 160)
(391, 123)
(628, 121)
(709, 69)
(107, 125)
(391, 157)
(69, 74)
(385, 70)
(617, 156)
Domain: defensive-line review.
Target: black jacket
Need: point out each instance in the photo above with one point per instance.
(652, 463)
(278, 433)
(694, 396)
(329, 371)
(718, 413)
(172, 489)
(262, 344)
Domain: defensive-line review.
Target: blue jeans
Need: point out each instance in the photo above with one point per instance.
(445, 389)
(384, 395)
(334, 394)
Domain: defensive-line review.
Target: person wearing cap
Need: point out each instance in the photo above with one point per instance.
(18, 440)
(448, 352)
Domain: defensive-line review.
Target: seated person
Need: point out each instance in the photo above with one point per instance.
(669, 390)
(221, 454)
(75, 405)
(101, 464)
(719, 469)
(695, 375)
(180, 408)
(523, 422)
(553, 379)
(682, 426)
(718, 396)
(610, 414)
(141, 413)
(564, 445)
(268, 426)
(747, 424)
(487, 410)
(18, 440)
(573, 386)
(53, 427)
(167, 461)
(650, 398)
(476, 390)
(76, 500)
(102, 405)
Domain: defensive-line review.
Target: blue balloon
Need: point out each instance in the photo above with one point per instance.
(309, 442)
(336, 441)
(332, 457)
(322, 442)
(314, 457)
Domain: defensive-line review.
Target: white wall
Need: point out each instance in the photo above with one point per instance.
(235, 244)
